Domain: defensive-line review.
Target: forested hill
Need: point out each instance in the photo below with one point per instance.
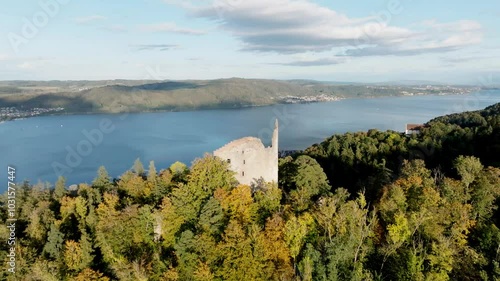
(28, 98)
(368, 160)
(359, 206)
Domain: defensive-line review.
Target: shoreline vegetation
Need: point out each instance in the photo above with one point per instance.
(374, 205)
(23, 99)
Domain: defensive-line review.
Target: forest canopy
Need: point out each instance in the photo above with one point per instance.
(358, 206)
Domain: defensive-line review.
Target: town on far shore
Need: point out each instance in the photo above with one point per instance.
(23, 99)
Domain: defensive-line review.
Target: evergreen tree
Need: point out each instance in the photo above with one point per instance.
(60, 188)
(152, 174)
(54, 243)
(138, 168)
(102, 181)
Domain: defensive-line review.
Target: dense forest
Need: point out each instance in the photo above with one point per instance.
(359, 206)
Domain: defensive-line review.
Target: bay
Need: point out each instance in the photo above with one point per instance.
(42, 148)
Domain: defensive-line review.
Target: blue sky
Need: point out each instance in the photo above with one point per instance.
(359, 41)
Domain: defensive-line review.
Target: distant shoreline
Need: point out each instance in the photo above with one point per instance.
(23, 99)
(222, 107)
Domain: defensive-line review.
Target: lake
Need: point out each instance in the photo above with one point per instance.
(75, 146)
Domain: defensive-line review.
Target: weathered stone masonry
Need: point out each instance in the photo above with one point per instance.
(250, 159)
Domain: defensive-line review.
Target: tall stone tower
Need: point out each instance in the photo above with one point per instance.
(275, 136)
(250, 159)
(275, 153)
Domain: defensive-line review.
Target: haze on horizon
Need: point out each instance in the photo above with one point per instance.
(366, 41)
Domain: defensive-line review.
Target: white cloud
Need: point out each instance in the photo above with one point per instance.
(4, 57)
(24, 61)
(89, 19)
(29, 63)
(314, 62)
(115, 28)
(26, 66)
(170, 28)
(461, 25)
(288, 26)
(299, 26)
(154, 47)
(429, 37)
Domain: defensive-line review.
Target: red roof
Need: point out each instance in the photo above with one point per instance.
(413, 126)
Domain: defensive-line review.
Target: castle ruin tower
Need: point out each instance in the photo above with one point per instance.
(275, 152)
(275, 137)
(250, 159)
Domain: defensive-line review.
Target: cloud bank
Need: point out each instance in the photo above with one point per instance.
(299, 26)
(154, 47)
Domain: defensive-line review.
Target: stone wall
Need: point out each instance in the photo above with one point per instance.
(250, 159)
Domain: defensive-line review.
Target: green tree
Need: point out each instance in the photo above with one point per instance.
(296, 230)
(138, 168)
(271, 251)
(169, 222)
(207, 175)
(152, 174)
(185, 250)
(268, 200)
(60, 188)
(212, 217)
(350, 229)
(237, 253)
(72, 256)
(307, 181)
(54, 243)
(179, 172)
(178, 168)
(102, 181)
(134, 186)
(311, 266)
(485, 191)
(238, 203)
(39, 222)
(90, 275)
(468, 167)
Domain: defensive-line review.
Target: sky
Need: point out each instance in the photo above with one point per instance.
(351, 41)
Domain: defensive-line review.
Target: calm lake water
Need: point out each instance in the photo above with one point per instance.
(41, 148)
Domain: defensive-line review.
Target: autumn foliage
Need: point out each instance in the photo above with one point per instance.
(355, 207)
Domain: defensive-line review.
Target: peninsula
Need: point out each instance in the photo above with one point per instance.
(22, 99)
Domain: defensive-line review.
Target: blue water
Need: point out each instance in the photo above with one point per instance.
(35, 146)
